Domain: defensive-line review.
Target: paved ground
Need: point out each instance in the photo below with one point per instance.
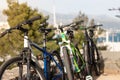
(111, 67)
(106, 76)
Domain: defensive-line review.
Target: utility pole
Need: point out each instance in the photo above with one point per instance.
(54, 15)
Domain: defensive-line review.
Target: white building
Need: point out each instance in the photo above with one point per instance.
(111, 39)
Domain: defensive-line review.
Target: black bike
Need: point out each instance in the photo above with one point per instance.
(91, 54)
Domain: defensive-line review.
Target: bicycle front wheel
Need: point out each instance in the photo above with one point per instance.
(86, 57)
(97, 61)
(88, 66)
(15, 69)
(68, 64)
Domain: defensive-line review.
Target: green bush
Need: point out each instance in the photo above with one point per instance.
(102, 48)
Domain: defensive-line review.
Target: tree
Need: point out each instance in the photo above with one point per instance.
(16, 13)
(79, 35)
(82, 17)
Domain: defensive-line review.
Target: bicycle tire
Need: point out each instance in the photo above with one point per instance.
(80, 62)
(17, 59)
(54, 70)
(88, 66)
(97, 61)
(86, 57)
(68, 64)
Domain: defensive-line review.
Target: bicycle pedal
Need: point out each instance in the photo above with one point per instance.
(89, 77)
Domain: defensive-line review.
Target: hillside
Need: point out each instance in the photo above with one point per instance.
(107, 21)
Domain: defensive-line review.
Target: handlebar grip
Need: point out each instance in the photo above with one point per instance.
(72, 24)
(34, 18)
(19, 25)
(79, 22)
(96, 25)
(31, 20)
(63, 26)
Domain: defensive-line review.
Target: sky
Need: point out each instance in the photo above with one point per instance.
(93, 7)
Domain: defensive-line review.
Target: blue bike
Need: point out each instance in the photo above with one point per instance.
(27, 65)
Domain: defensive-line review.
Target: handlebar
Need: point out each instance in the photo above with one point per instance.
(29, 21)
(90, 27)
(60, 27)
(19, 25)
(71, 24)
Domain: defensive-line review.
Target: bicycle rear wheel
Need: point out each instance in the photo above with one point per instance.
(56, 70)
(14, 69)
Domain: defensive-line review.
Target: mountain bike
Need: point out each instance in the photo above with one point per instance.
(26, 65)
(91, 54)
(71, 57)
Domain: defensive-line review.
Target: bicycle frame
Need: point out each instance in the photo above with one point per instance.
(91, 47)
(71, 49)
(27, 53)
(29, 44)
(88, 42)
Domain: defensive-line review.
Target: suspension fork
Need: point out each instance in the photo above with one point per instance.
(28, 53)
(88, 47)
(92, 51)
(88, 51)
(96, 50)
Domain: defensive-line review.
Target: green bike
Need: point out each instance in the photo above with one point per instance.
(72, 58)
